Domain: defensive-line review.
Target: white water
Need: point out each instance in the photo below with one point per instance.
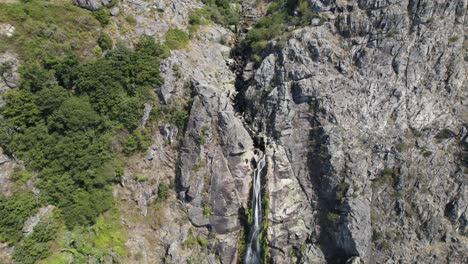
(252, 254)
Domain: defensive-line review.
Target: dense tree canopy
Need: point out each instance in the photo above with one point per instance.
(60, 120)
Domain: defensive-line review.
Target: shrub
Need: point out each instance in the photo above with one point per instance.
(333, 217)
(280, 15)
(201, 138)
(206, 210)
(202, 241)
(102, 15)
(402, 146)
(64, 134)
(14, 211)
(104, 41)
(137, 141)
(20, 177)
(388, 171)
(36, 246)
(141, 177)
(453, 39)
(176, 38)
(163, 192)
(130, 19)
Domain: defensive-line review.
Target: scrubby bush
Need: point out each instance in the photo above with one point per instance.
(163, 192)
(102, 15)
(281, 14)
(333, 217)
(14, 211)
(63, 131)
(219, 11)
(104, 41)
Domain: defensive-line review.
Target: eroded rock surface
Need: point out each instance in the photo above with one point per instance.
(91, 4)
(365, 117)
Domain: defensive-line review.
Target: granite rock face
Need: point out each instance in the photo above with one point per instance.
(91, 4)
(365, 120)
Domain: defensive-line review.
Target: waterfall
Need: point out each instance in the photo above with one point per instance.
(252, 254)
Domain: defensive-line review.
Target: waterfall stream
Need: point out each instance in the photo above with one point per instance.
(252, 254)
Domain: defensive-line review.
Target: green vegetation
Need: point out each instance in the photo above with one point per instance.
(206, 210)
(131, 20)
(333, 217)
(104, 41)
(46, 28)
(76, 111)
(14, 211)
(60, 122)
(139, 140)
(280, 16)
(178, 114)
(402, 146)
(163, 192)
(102, 15)
(36, 246)
(341, 191)
(388, 171)
(241, 243)
(219, 11)
(20, 177)
(202, 241)
(453, 38)
(190, 241)
(201, 138)
(176, 38)
(141, 177)
(445, 134)
(105, 240)
(61, 119)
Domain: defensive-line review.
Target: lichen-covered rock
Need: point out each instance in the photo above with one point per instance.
(215, 164)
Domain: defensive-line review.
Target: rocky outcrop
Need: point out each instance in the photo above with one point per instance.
(43, 214)
(91, 4)
(9, 76)
(364, 119)
(215, 166)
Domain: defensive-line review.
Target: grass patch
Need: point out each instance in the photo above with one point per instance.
(453, 39)
(45, 28)
(105, 240)
(202, 241)
(130, 19)
(176, 38)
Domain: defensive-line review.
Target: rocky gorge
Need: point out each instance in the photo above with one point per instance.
(361, 115)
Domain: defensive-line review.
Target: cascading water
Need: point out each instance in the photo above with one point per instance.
(252, 254)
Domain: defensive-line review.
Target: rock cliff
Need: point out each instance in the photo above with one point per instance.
(365, 120)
